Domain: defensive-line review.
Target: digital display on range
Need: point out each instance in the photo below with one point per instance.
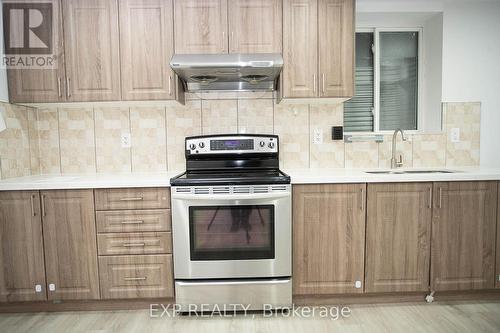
(246, 144)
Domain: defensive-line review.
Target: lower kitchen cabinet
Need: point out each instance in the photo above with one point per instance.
(328, 238)
(497, 275)
(21, 247)
(136, 276)
(69, 234)
(398, 234)
(463, 235)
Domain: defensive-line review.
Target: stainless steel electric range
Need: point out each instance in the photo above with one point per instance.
(232, 224)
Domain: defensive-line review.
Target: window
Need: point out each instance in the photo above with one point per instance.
(386, 80)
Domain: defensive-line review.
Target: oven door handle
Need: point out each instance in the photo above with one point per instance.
(255, 196)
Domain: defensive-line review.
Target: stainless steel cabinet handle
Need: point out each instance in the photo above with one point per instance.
(314, 83)
(43, 205)
(430, 198)
(135, 278)
(134, 244)
(323, 83)
(440, 197)
(361, 203)
(59, 93)
(132, 199)
(132, 222)
(170, 86)
(68, 87)
(32, 199)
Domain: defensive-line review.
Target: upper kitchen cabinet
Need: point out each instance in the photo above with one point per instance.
(300, 46)
(328, 238)
(22, 270)
(69, 234)
(147, 44)
(200, 26)
(255, 26)
(463, 236)
(398, 235)
(91, 43)
(40, 85)
(314, 66)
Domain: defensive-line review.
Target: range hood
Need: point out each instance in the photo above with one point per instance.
(237, 72)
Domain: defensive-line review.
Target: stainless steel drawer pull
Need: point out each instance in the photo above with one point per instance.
(132, 222)
(135, 278)
(32, 197)
(59, 94)
(134, 244)
(132, 199)
(43, 205)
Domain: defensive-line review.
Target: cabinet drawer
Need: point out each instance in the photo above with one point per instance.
(132, 198)
(134, 243)
(136, 276)
(133, 220)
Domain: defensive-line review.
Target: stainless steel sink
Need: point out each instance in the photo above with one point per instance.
(402, 172)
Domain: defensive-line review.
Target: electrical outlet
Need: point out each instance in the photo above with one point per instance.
(455, 135)
(357, 284)
(52, 287)
(38, 288)
(126, 140)
(318, 136)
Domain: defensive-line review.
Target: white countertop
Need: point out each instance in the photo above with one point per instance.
(304, 176)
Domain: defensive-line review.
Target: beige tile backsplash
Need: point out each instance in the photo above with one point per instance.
(76, 139)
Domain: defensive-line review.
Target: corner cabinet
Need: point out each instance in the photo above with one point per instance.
(22, 269)
(41, 85)
(318, 48)
(69, 233)
(398, 236)
(328, 238)
(463, 236)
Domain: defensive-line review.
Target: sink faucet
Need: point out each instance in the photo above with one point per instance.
(396, 163)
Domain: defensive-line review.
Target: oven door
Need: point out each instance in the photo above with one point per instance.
(231, 235)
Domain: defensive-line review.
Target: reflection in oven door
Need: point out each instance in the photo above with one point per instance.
(231, 232)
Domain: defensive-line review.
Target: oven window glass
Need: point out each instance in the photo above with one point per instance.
(231, 232)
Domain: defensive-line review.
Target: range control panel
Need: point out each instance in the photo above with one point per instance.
(236, 144)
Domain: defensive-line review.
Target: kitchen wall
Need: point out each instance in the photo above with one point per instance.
(87, 138)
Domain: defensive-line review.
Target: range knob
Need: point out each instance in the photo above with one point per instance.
(271, 145)
(192, 146)
(201, 144)
(262, 144)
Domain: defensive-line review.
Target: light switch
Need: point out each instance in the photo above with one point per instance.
(455, 135)
(38, 288)
(52, 287)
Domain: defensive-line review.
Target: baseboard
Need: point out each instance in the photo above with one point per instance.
(94, 305)
(378, 298)
(311, 300)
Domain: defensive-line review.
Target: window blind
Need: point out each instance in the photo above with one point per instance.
(358, 111)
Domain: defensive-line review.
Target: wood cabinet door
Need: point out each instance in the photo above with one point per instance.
(147, 44)
(300, 48)
(255, 26)
(497, 276)
(41, 85)
(21, 247)
(328, 238)
(463, 235)
(200, 26)
(91, 42)
(69, 234)
(336, 48)
(398, 235)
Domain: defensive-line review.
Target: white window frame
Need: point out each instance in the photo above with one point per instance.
(376, 76)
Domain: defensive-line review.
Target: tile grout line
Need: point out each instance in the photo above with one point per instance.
(131, 139)
(59, 139)
(95, 140)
